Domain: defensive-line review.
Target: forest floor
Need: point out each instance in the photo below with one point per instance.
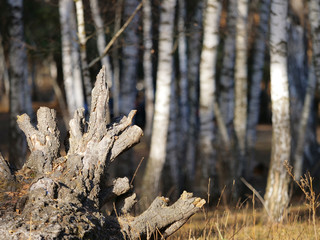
(244, 220)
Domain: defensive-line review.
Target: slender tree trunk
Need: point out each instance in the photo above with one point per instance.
(157, 156)
(129, 76)
(83, 52)
(256, 77)
(70, 57)
(172, 158)
(298, 81)
(183, 83)
(101, 38)
(194, 50)
(208, 60)
(277, 195)
(19, 94)
(116, 61)
(303, 126)
(147, 66)
(241, 84)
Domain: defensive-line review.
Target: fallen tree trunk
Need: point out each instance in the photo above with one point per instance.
(60, 197)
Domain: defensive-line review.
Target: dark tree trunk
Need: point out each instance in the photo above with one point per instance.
(61, 197)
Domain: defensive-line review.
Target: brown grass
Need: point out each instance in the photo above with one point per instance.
(248, 222)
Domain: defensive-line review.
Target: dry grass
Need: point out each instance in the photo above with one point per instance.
(248, 222)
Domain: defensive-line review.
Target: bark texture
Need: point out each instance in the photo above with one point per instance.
(70, 56)
(241, 85)
(147, 66)
(61, 197)
(208, 92)
(19, 93)
(157, 155)
(277, 195)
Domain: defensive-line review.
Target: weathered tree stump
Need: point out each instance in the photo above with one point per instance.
(60, 197)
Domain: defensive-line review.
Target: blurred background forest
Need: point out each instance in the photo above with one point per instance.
(211, 81)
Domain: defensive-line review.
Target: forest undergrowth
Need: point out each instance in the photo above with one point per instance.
(249, 220)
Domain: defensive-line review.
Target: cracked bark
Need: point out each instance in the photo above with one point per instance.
(61, 197)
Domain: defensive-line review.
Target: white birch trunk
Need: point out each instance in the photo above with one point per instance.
(70, 57)
(226, 98)
(147, 66)
(157, 154)
(194, 45)
(241, 83)
(207, 91)
(83, 52)
(20, 96)
(129, 76)
(101, 39)
(257, 72)
(277, 196)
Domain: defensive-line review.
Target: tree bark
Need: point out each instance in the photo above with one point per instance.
(60, 197)
(208, 60)
(70, 57)
(241, 85)
(277, 194)
(101, 39)
(157, 155)
(83, 51)
(116, 60)
(147, 66)
(19, 93)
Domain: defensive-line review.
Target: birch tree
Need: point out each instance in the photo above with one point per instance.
(147, 65)
(157, 155)
(207, 91)
(83, 51)
(101, 39)
(241, 83)
(19, 93)
(277, 195)
(70, 56)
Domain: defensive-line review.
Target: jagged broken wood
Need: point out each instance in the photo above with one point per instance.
(61, 197)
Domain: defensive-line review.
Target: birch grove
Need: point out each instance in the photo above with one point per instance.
(203, 77)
